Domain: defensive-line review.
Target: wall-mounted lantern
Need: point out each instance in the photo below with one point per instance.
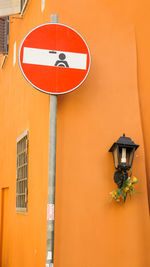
(123, 154)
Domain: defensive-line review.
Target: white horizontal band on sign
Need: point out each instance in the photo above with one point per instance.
(54, 58)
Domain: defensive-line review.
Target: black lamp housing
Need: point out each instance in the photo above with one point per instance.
(123, 154)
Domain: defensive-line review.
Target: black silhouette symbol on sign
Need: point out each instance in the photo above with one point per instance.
(62, 62)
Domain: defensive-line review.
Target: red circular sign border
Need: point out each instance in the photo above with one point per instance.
(50, 93)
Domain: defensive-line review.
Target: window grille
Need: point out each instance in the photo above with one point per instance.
(4, 35)
(22, 173)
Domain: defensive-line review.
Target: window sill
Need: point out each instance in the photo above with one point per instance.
(21, 210)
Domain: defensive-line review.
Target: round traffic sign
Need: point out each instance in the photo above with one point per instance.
(54, 58)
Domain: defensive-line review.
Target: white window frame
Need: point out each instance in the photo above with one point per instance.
(24, 7)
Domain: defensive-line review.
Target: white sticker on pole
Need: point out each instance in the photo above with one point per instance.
(53, 58)
(49, 255)
(50, 212)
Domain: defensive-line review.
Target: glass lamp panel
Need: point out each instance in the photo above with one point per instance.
(128, 156)
(122, 155)
(115, 154)
(131, 157)
(123, 159)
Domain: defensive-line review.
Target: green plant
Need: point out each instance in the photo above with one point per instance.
(126, 189)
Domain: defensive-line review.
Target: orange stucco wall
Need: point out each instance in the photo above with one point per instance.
(90, 231)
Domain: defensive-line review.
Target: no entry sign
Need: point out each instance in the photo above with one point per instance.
(54, 58)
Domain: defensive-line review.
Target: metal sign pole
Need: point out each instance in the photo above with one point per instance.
(51, 175)
(77, 58)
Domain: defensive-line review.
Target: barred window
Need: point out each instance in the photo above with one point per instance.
(22, 173)
(4, 35)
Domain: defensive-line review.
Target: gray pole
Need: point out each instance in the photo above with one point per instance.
(51, 175)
